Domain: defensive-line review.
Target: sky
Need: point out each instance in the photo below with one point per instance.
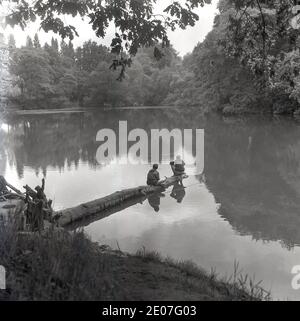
(183, 40)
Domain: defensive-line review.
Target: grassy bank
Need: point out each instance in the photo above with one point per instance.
(57, 265)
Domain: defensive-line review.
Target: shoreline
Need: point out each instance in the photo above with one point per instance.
(24, 112)
(46, 271)
(74, 110)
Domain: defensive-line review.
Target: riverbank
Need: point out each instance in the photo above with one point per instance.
(58, 265)
(227, 111)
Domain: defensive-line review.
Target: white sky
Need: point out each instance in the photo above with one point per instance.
(183, 40)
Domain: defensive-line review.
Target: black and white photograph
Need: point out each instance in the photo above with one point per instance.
(149, 152)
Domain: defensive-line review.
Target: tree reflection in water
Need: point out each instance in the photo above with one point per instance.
(251, 163)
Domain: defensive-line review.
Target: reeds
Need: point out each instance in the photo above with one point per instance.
(238, 286)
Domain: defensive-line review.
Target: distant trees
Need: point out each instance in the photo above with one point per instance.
(33, 73)
(59, 75)
(248, 62)
(11, 42)
(29, 43)
(36, 41)
(40, 73)
(254, 27)
(67, 50)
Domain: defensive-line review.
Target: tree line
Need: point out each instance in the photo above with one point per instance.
(249, 62)
(58, 75)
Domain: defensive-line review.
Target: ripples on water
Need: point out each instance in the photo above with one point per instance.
(247, 210)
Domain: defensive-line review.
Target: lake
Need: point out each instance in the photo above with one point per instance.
(246, 209)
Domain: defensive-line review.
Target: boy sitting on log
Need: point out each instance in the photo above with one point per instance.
(178, 167)
(153, 176)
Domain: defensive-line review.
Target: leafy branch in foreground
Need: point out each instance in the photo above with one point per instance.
(136, 22)
(256, 31)
(261, 36)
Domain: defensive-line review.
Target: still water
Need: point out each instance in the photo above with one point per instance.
(247, 209)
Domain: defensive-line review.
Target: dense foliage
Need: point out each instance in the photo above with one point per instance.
(261, 36)
(136, 22)
(58, 75)
(248, 62)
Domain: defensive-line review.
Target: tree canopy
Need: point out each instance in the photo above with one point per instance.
(249, 60)
(58, 75)
(253, 30)
(137, 24)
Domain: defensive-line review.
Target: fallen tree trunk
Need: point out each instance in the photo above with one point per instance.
(87, 220)
(80, 212)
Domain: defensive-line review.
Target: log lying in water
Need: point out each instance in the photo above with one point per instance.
(83, 211)
(87, 220)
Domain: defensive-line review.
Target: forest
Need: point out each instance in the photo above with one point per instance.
(248, 63)
(57, 75)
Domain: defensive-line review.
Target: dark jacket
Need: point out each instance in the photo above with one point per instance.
(153, 177)
(179, 168)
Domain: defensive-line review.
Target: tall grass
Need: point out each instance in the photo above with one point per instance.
(238, 286)
(53, 265)
(59, 265)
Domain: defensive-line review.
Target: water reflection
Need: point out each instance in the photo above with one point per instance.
(154, 200)
(178, 192)
(251, 164)
(55, 140)
(253, 169)
(248, 208)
